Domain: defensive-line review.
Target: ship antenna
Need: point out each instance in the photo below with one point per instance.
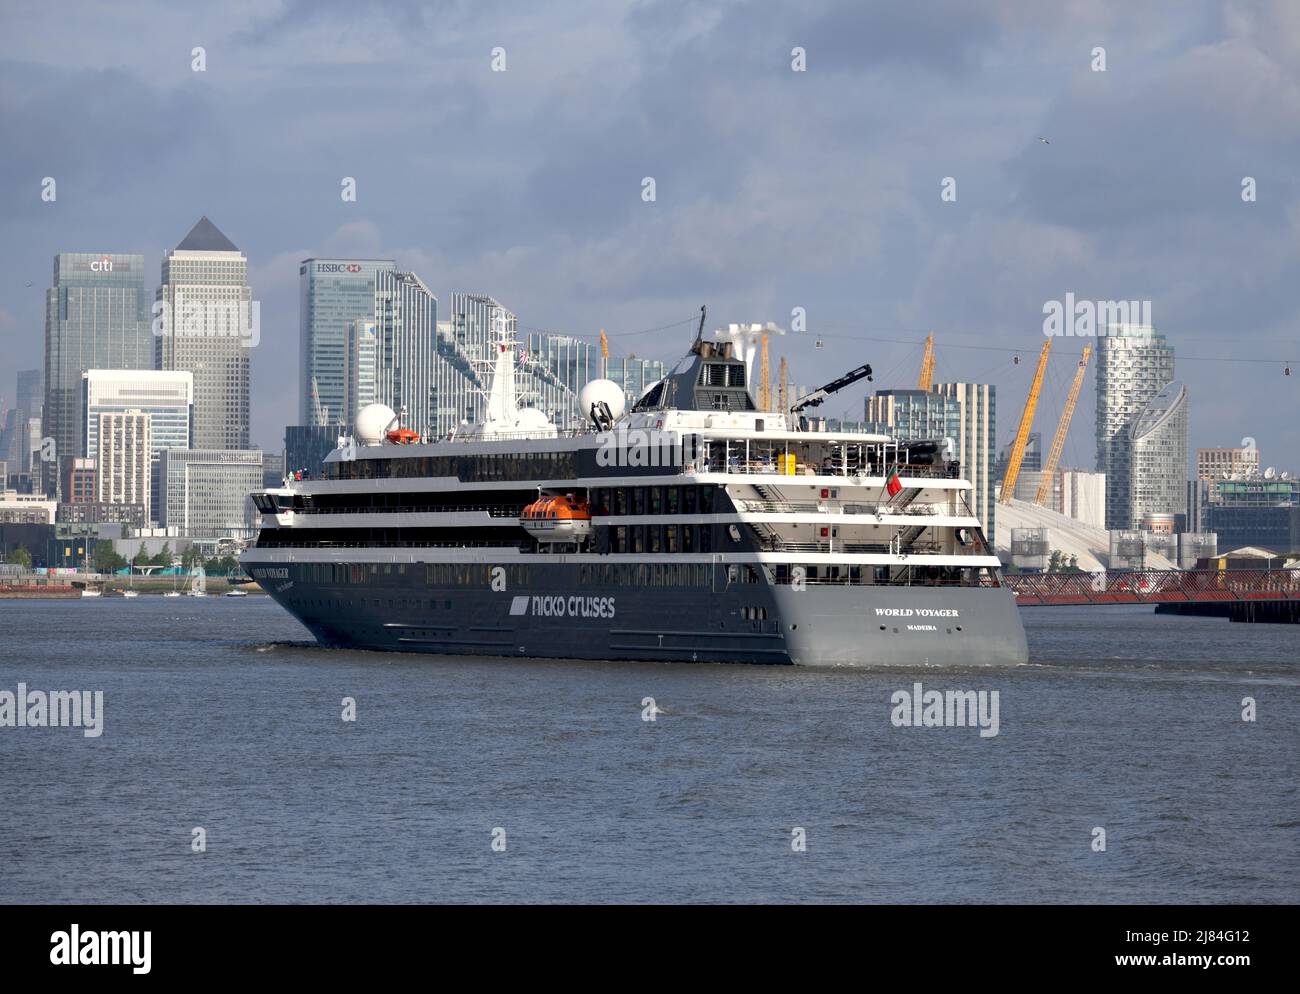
(699, 334)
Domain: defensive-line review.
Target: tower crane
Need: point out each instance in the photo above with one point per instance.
(927, 364)
(1058, 443)
(1022, 435)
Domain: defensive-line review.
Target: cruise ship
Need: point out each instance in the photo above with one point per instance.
(693, 527)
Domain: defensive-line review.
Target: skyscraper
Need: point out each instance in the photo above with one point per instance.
(15, 445)
(406, 318)
(205, 322)
(1158, 483)
(332, 294)
(1134, 363)
(96, 317)
(362, 368)
(976, 437)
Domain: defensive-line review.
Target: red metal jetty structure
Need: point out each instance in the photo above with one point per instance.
(1156, 586)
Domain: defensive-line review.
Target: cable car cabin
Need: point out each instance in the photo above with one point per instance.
(556, 518)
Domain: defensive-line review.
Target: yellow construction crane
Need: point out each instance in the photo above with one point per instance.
(1058, 443)
(764, 381)
(604, 354)
(1022, 435)
(927, 365)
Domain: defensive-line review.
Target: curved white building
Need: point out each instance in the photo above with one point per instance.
(1158, 446)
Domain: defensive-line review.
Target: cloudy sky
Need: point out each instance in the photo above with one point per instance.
(775, 189)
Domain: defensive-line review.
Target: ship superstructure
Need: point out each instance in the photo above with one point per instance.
(694, 527)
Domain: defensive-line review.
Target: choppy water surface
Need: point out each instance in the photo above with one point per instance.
(224, 714)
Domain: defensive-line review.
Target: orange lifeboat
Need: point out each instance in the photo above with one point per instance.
(403, 436)
(555, 518)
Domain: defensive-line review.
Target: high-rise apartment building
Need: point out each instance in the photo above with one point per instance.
(96, 317)
(553, 370)
(1134, 363)
(206, 322)
(406, 319)
(469, 352)
(913, 414)
(1158, 455)
(361, 383)
(964, 412)
(976, 439)
(123, 459)
(166, 396)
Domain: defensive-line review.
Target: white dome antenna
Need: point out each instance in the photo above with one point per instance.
(602, 402)
(374, 422)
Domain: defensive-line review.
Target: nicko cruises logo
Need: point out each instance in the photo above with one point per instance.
(562, 607)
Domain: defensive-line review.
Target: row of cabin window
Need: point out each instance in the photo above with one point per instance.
(966, 576)
(646, 574)
(653, 500)
(468, 468)
(656, 538)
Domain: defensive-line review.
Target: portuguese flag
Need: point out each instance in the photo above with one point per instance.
(892, 485)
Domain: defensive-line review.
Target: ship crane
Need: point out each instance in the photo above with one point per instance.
(1063, 429)
(834, 386)
(1022, 435)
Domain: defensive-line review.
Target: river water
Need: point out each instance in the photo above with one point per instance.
(223, 715)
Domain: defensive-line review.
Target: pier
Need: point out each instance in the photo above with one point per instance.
(1242, 594)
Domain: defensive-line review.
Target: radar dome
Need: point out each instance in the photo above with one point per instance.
(602, 391)
(535, 421)
(373, 421)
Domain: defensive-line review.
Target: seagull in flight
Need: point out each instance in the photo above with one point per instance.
(1043, 140)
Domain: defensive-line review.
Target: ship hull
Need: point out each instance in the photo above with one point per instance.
(555, 614)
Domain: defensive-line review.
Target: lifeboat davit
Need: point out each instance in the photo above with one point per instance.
(553, 518)
(403, 436)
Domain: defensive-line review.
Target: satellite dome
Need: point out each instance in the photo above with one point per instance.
(533, 420)
(373, 421)
(602, 391)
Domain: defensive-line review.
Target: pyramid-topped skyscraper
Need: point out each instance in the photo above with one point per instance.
(207, 325)
(206, 237)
